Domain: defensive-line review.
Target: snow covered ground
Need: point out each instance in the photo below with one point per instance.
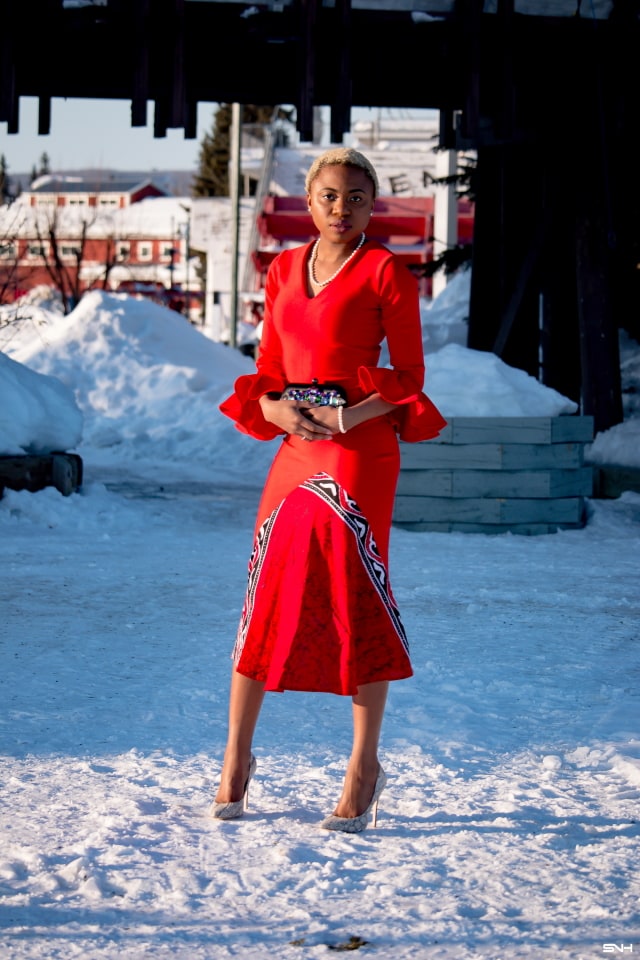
(509, 828)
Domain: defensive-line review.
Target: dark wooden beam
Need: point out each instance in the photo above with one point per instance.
(504, 301)
(524, 275)
(176, 65)
(601, 389)
(468, 20)
(140, 27)
(305, 98)
(8, 88)
(44, 115)
(341, 103)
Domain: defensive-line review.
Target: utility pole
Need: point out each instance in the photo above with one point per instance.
(234, 185)
(445, 223)
(187, 296)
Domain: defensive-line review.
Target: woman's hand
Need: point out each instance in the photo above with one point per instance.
(295, 419)
(320, 423)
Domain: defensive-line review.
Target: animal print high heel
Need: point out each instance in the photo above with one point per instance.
(234, 808)
(359, 823)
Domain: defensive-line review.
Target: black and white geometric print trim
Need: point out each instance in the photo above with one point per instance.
(330, 491)
(255, 566)
(347, 509)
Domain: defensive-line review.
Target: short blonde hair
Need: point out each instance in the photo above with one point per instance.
(345, 156)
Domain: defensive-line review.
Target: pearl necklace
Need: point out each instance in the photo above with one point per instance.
(314, 257)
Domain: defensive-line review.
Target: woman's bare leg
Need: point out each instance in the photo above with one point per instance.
(368, 711)
(245, 701)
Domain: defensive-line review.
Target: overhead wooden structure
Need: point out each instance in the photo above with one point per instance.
(546, 92)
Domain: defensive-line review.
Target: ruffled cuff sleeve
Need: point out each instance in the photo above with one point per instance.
(244, 408)
(416, 417)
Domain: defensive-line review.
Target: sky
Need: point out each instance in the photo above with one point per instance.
(509, 826)
(98, 134)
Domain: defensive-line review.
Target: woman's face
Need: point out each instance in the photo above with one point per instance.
(341, 201)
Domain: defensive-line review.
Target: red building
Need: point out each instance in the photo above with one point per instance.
(75, 234)
(69, 191)
(404, 224)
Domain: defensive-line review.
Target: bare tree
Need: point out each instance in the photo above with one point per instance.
(113, 257)
(62, 255)
(12, 276)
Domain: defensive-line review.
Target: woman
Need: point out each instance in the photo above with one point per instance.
(319, 614)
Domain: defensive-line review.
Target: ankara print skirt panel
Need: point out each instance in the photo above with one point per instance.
(319, 614)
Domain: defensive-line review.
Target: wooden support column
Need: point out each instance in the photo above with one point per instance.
(598, 335)
(504, 301)
(560, 366)
(177, 94)
(341, 106)
(9, 101)
(44, 115)
(160, 118)
(308, 14)
(596, 241)
(468, 14)
(486, 277)
(506, 119)
(141, 28)
(168, 68)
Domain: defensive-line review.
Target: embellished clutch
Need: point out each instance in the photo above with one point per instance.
(315, 394)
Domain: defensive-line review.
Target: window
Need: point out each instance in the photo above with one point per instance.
(78, 201)
(67, 250)
(169, 252)
(123, 250)
(8, 250)
(108, 201)
(36, 250)
(145, 250)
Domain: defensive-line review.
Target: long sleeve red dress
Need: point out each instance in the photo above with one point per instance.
(319, 613)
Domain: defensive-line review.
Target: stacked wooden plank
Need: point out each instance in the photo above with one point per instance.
(522, 475)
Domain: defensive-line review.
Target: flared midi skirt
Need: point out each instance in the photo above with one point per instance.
(319, 612)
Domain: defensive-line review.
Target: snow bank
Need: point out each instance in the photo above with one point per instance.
(38, 413)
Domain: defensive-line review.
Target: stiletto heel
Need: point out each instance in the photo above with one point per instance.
(234, 808)
(359, 823)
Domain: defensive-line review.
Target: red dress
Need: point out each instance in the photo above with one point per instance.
(319, 612)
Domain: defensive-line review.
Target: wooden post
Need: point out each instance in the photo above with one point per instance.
(306, 68)
(504, 300)
(341, 105)
(599, 349)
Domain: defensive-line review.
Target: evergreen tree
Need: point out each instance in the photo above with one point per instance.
(41, 169)
(212, 179)
(6, 193)
(460, 255)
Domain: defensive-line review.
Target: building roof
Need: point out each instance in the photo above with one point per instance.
(63, 184)
(152, 217)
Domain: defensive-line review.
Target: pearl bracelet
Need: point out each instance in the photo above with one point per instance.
(341, 426)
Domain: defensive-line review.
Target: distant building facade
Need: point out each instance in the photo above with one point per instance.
(76, 234)
(69, 191)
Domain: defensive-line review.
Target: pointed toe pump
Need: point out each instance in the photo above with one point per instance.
(234, 809)
(359, 823)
